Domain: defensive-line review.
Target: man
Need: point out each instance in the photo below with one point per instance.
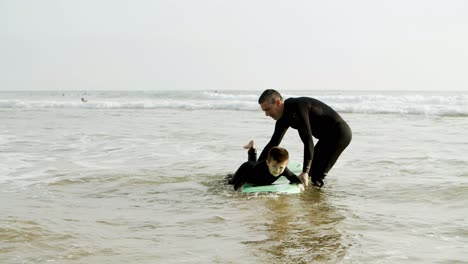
(310, 117)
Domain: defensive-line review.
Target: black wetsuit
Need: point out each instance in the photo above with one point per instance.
(312, 117)
(257, 173)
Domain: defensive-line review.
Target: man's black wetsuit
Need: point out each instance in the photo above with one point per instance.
(257, 173)
(312, 117)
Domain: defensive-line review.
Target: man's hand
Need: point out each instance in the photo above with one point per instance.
(304, 177)
(301, 187)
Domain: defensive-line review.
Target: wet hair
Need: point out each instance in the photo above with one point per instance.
(271, 95)
(278, 154)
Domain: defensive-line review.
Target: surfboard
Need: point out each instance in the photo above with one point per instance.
(279, 186)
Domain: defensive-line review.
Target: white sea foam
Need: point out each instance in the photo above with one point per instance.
(449, 104)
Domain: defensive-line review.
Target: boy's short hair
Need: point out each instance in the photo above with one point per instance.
(278, 154)
(271, 95)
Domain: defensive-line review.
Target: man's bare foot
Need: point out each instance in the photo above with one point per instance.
(318, 183)
(250, 145)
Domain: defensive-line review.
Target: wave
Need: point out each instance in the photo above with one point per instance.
(344, 102)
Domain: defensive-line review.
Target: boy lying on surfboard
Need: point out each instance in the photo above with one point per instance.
(263, 172)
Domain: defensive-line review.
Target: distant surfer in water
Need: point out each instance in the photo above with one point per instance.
(263, 172)
(310, 117)
(83, 100)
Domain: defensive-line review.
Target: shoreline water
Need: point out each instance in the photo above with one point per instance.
(119, 185)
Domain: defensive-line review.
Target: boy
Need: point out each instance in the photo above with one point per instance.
(264, 172)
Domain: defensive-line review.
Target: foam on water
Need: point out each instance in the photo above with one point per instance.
(416, 103)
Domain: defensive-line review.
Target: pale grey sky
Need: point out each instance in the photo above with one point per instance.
(239, 44)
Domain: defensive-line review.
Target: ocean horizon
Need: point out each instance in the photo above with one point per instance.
(447, 103)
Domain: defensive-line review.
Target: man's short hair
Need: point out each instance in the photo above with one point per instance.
(278, 154)
(271, 95)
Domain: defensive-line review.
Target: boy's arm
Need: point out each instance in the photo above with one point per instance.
(291, 176)
(293, 179)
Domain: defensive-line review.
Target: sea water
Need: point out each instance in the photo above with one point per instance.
(138, 177)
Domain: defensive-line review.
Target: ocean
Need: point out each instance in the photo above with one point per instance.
(138, 177)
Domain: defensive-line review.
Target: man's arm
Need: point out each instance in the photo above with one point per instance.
(305, 133)
(275, 140)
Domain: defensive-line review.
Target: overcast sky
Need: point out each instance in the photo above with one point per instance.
(238, 44)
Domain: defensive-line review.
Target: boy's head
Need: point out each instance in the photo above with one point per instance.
(277, 160)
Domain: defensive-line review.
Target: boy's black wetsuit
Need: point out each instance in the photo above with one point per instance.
(257, 173)
(312, 117)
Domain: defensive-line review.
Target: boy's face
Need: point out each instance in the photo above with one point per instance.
(276, 168)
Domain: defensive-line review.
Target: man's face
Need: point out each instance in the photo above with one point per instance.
(272, 109)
